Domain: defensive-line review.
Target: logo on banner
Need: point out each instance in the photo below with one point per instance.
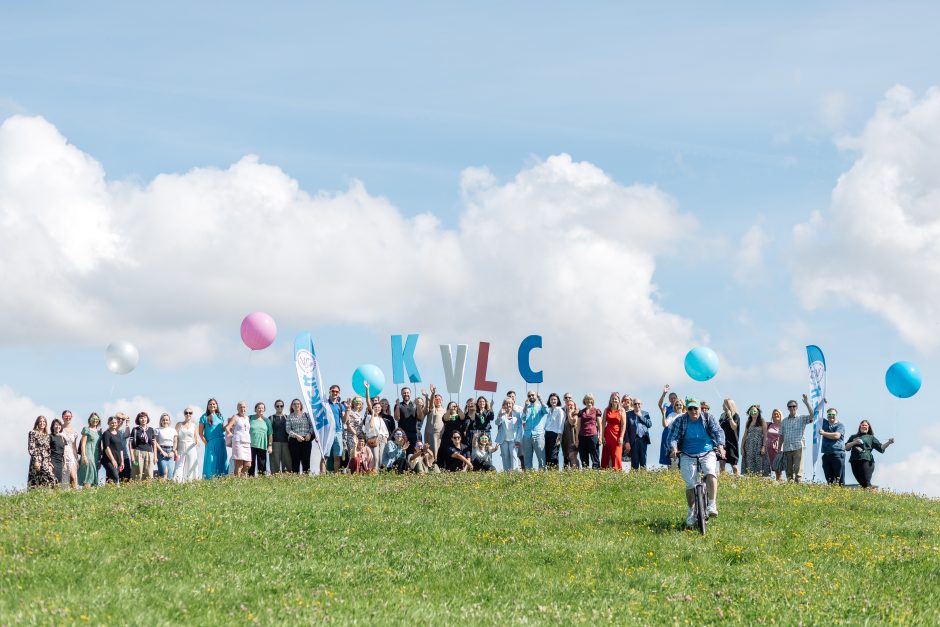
(817, 374)
(306, 361)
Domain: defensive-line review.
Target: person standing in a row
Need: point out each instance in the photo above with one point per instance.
(88, 465)
(41, 474)
(301, 435)
(280, 441)
(187, 467)
(262, 433)
(862, 461)
(57, 447)
(212, 434)
(833, 447)
(589, 419)
(112, 452)
(142, 447)
(639, 424)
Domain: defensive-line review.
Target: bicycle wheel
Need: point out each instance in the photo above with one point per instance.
(701, 513)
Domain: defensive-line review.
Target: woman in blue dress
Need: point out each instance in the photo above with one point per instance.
(212, 433)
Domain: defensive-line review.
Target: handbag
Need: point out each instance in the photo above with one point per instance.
(777, 465)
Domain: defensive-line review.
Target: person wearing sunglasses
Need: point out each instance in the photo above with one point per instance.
(280, 441)
(458, 457)
(754, 459)
(792, 439)
(833, 447)
(187, 468)
(339, 407)
(534, 416)
(701, 441)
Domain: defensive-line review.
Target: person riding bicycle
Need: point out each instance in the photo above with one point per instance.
(699, 439)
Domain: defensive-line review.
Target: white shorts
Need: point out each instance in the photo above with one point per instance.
(688, 466)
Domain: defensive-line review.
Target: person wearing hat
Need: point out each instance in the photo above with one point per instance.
(699, 438)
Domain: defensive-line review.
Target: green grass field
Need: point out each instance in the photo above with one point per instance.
(476, 548)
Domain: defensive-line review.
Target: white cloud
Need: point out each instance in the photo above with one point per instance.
(749, 263)
(173, 265)
(919, 473)
(878, 245)
(17, 414)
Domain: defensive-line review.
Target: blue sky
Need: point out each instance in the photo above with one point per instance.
(735, 114)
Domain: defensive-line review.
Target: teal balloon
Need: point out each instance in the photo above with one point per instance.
(371, 373)
(701, 363)
(903, 379)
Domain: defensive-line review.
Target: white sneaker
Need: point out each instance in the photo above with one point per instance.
(712, 510)
(690, 519)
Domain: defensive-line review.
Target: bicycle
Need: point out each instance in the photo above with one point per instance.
(699, 499)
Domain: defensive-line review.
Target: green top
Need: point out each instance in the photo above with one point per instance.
(863, 453)
(260, 430)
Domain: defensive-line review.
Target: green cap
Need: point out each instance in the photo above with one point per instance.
(691, 402)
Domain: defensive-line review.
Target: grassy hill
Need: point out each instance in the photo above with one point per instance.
(478, 549)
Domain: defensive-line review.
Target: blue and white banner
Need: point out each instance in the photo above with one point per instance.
(311, 391)
(817, 393)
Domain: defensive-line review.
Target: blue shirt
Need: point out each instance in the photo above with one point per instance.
(534, 417)
(833, 446)
(696, 441)
(338, 409)
(678, 432)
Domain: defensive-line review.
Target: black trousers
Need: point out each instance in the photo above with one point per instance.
(863, 471)
(111, 471)
(552, 441)
(299, 455)
(833, 465)
(259, 461)
(126, 473)
(638, 453)
(589, 451)
(412, 440)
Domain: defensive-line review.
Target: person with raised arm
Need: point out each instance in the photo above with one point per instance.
(669, 411)
(434, 421)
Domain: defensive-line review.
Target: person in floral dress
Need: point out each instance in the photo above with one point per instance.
(40, 456)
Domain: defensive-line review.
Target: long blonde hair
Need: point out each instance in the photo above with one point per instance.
(732, 408)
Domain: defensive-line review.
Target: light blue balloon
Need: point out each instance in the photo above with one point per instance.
(371, 373)
(903, 379)
(701, 363)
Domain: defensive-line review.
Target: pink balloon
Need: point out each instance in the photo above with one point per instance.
(258, 330)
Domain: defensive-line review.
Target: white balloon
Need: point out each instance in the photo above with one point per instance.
(121, 357)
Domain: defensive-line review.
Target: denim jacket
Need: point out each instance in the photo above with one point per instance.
(712, 428)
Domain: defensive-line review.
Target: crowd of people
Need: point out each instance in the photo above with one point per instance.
(421, 433)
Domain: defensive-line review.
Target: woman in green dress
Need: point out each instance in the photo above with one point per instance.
(89, 462)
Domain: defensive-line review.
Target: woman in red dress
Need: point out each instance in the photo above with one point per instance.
(613, 428)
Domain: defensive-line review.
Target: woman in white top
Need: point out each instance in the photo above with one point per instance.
(238, 427)
(71, 450)
(187, 468)
(554, 426)
(376, 431)
(165, 440)
(507, 434)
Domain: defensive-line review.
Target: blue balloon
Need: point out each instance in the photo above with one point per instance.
(371, 373)
(903, 379)
(701, 363)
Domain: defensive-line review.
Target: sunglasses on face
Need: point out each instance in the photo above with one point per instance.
(791, 406)
(279, 406)
(187, 413)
